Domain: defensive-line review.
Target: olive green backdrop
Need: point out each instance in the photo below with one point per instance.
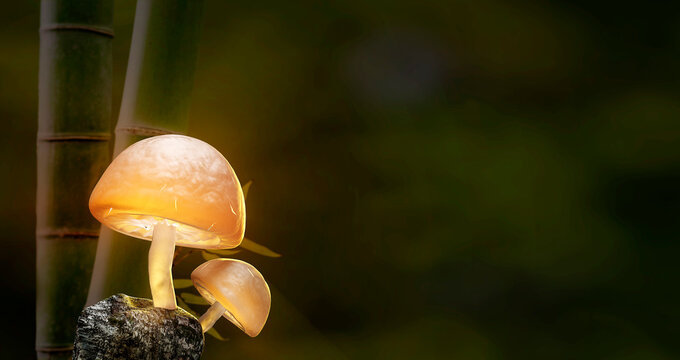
(445, 179)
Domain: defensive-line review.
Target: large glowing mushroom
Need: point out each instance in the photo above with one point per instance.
(172, 190)
(235, 290)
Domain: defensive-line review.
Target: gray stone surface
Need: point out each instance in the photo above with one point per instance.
(124, 327)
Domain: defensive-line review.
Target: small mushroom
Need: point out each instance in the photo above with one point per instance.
(171, 189)
(235, 290)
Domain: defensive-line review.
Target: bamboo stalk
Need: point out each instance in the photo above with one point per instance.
(74, 116)
(155, 101)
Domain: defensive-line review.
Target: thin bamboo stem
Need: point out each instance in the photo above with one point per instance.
(74, 116)
(155, 101)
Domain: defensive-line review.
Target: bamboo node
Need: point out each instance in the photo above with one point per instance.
(74, 137)
(79, 27)
(65, 232)
(144, 131)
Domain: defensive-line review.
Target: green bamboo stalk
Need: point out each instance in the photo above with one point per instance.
(74, 116)
(155, 101)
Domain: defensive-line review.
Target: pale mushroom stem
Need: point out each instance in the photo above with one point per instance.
(210, 317)
(160, 266)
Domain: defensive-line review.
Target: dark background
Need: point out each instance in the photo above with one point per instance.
(445, 179)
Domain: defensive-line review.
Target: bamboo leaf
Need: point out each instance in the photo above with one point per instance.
(194, 299)
(186, 307)
(245, 188)
(216, 335)
(190, 298)
(224, 252)
(250, 245)
(182, 283)
(208, 256)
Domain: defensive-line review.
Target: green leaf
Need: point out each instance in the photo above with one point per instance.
(216, 335)
(257, 248)
(209, 256)
(194, 299)
(224, 252)
(245, 188)
(186, 307)
(182, 283)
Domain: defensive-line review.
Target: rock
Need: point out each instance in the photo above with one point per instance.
(125, 327)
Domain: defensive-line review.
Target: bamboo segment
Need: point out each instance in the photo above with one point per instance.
(74, 116)
(158, 86)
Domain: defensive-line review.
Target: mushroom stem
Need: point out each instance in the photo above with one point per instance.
(160, 266)
(210, 317)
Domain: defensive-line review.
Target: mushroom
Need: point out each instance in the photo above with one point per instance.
(235, 290)
(172, 190)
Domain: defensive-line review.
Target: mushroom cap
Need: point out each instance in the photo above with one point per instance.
(239, 287)
(175, 178)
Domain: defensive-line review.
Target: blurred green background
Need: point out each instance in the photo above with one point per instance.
(445, 179)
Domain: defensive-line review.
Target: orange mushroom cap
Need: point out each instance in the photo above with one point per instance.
(175, 178)
(239, 287)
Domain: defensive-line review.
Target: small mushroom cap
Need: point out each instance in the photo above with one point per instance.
(239, 287)
(175, 178)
